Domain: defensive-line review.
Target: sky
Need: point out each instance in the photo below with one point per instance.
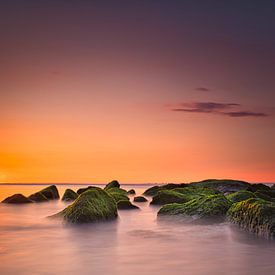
(139, 91)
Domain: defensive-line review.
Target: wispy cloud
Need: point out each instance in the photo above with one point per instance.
(202, 89)
(226, 109)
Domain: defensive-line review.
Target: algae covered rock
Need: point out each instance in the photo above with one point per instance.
(50, 192)
(265, 195)
(131, 192)
(91, 206)
(154, 189)
(112, 184)
(17, 199)
(254, 215)
(117, 194)
(258, 187)
(82, 190)
(69, 195)
(126, 205)
(212, 207)
(38, 197)
(240, 196)
(140, 199)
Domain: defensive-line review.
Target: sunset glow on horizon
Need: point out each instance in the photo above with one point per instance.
(140, 93)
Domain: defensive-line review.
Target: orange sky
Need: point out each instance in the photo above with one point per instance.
(85, 99)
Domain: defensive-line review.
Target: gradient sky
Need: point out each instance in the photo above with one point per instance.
(139, 91)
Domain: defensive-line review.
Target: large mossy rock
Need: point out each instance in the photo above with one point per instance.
(112, 184)
(69, 195)
(38, 197)
(50, 192)
(240, 196)
(126, 205)
(265, 195)
(181, 195)
(140, 199)
(211, 208)
(254, 215)
(118, 194)
(152, 191)
(91, 206)
(17, 199)
(258, 187)
(224, 186)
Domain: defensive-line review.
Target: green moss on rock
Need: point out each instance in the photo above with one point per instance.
(50, 192)
(69, 195)
(265, 195)
(140, 199)
(126, 205)
(254, 215)
(91, 206)
(82, 190)
(38, 197)
(212, 207)
(17, 199)
(152, 191)
(240, 196)
(112, 184)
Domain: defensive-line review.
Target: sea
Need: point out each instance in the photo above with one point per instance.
(136, 243)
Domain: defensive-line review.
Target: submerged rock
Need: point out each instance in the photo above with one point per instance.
(38, 197)
(240, 196)
(254, 215)
(212, 207)
(126, 204)
(91, 206)
(50, 192)
(140, 199)
(112, 184)
(69, 195)
(152, 191)
(17, 199)
(131, 192)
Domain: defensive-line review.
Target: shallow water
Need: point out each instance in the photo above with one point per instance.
(137, 243)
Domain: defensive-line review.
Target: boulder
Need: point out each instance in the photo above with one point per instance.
(69, 195)
(50, 192)
(258, 187)
(82, 190)
(112, 184)
(38, 197)
(140, 199)
(254, 215)
(265, 195)
(117, 194)
(211, 208)
(17, 199)
(240, 196)
(91, 206)
(131, 192)
(126, 205)
(154, 189)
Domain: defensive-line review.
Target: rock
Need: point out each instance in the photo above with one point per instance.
(38, 197)
(224, 186)
(126, 204)
(181, 195)
(91, 206)
(264, 195)
(273, 187)
(154, 189)
(258, 187)
(82, 190)
(50, 192)
(140, 199)
(254, 215)
(240, 196)
(117, 194)
(17, 199)
(131, 192)
(69, 195)
(112, 184)
(213, 207)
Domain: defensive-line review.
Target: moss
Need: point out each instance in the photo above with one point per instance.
(91, 206)
(126, 204)
(117, 194)
(240, 196)
(50, 192)
(69, 195)
(152, 191)
(131, 192)
(38, 197)
(212, 207)
(264, 195)
(112, 184)
(140, 199)
(254, 215)
(17, 199)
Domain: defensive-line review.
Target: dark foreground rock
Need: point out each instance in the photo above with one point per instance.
(69, 195)
(17, 199)
(240, 196)
(50, 192)
(112, 184)
(254, 215)
(258, 187)
(126, 205)
(211, 208)
(152, 191)
(131, 192)
(91, 206)
(140, 199)
(38, 197)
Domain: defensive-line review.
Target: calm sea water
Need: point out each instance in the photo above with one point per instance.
(137, 243)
